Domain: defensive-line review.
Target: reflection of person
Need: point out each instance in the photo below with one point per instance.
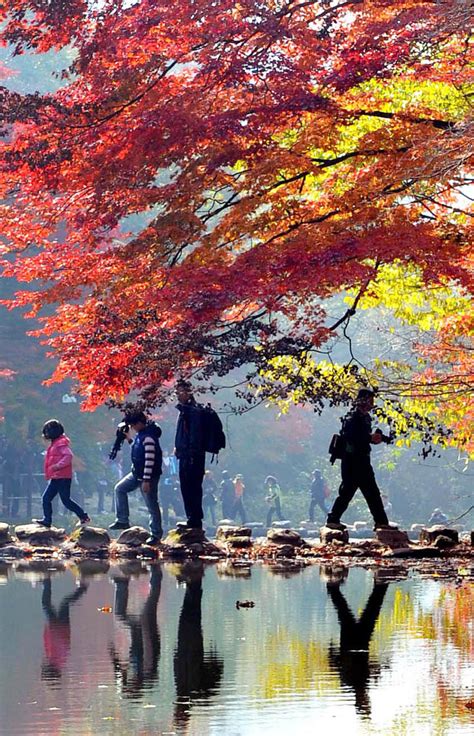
(58, 473)
(197, 673)
(317, 492)
(356, 469)
(191, 453)
(352, 661)
(239, 488)
(272, 497)
(57, 631)
(141, 670)
(145, 474)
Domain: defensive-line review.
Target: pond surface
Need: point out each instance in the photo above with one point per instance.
(163, 649)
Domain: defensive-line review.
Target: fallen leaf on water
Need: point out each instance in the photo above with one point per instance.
(105, 609)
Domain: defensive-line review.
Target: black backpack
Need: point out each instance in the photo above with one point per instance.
(214, 437)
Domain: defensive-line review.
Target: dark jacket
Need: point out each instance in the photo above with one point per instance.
(356, 431)
(146, 453)
(189, 440)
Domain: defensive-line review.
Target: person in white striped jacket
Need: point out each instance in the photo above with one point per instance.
(145, 474)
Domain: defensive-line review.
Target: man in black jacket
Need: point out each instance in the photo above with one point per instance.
(356, 469)
(191, 453)
(145, 474)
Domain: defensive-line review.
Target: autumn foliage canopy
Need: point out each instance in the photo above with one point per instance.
(210, 173)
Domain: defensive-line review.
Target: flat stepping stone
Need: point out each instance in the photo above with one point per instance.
(327, 535)
(284, 536)
(133, 537)
(430, 534)
(40, 536)
(90, 537)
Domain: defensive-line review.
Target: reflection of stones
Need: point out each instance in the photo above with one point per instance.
(390, 574)
(430, 535)
(38, 536)
(392, 538)
(40, 567)
(5, 536)
(90, 568)
(5, 568)
(133, 537)
(333, 574)
(129, 569)
(11, 551)
(327, 535)
(234, 570)
(286, 569)
(90, 538)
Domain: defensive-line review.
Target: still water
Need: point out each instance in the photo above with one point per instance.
(163, 649)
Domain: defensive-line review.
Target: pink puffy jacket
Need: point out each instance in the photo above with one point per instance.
(58, 459)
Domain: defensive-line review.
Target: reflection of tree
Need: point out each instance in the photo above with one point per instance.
(141, 671)
(57, 631)
(352, 661)
(197, 673)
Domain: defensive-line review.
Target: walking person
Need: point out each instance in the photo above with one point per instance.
(239, 488)
(209, 499)
(356, 468)
(58, 473)
(272, 497)
(227, 495)
(145, 474)
(191, 453)
(318, 495)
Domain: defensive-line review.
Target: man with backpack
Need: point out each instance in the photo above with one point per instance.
(190, 449)
(356, 468)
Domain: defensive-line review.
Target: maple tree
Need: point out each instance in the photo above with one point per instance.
(211, 172)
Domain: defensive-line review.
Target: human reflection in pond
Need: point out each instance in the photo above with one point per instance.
(352, 660)
(141, 670)
(57, 631)
(197, 672)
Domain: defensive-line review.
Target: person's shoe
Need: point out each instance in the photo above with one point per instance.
(42, 522)
(153, 541)
(335, 525)
(385, 527)
(84, 521)
(119, 525)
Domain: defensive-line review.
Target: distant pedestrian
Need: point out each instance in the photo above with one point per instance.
(272, 497)
(317, 494)
(145, 474)
(227, 496)
(356, 469)
(209, 498)
(191, 453)
(239, 488)
(437, 517)
(58, 473)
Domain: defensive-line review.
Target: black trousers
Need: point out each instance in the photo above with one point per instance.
(191, 474)
(357, 472)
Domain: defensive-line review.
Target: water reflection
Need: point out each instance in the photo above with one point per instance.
(57, 631)
(197, 672)
(141, 669)
(352, 661)
(369, 654)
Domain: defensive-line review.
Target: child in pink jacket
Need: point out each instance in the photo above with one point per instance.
(58, 473)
